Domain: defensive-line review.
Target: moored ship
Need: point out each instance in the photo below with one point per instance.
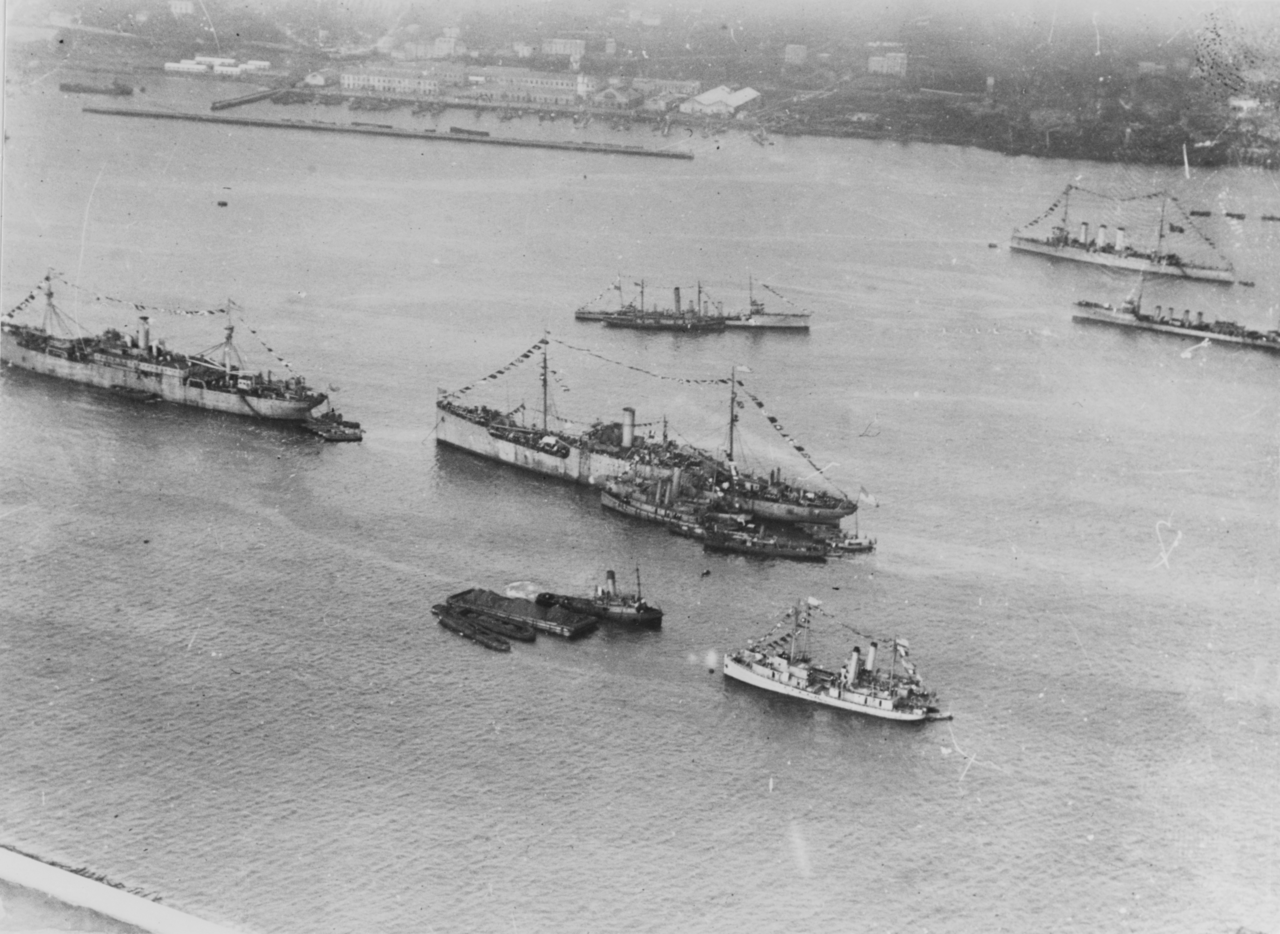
(116, 88)
(692, 319)
(1098, 247)
(137, 365)
(782, 665)
(1129, 314)
(609, 603)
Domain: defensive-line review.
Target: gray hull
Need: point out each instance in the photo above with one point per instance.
(166, 385)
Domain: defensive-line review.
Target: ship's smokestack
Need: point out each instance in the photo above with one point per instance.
(146, 333)
(1102, 235)
(855, 666)
(871, 657)
(675, 486)
(1119, 239)
(677, 291)
(610, 583)
(1084, 231)
(628, 426)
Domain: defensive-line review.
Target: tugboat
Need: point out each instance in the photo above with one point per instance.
(137, 365)
(691, 320)
(608, 603)
(780, 664)
(761, 544)
(331, 426)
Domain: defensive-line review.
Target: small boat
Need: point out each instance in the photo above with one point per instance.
(782, 665)
(331, 426)
(761, 544)
(465, 628)
(608, 603)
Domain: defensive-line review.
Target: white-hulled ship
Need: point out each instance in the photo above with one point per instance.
(137, 365)
(780, 664)
(1098, 248)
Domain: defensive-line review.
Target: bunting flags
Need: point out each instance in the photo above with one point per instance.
(140, 307)
(269, 350)
(501, 371)
(777, 426)
(22, 304)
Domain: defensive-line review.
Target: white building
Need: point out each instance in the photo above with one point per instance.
(891, 63)
(719, 101)
(181, 8)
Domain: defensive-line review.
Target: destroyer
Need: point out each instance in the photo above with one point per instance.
(1100, 249)
(1130, 315)
(782, 665)
(137, 365)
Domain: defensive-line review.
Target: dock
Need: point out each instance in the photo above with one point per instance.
(244, 99)
(316, 126)
(555, 620)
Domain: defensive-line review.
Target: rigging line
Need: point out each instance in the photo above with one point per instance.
(84, 230)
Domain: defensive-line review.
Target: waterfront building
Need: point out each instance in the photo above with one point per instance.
(661, 85)
(891, 63)
(719, 101)
(618, 98)
(390, 81)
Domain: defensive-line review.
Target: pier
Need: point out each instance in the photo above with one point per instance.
(385, 130)
(244, 99)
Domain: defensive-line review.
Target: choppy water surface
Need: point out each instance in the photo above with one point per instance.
(222, 683)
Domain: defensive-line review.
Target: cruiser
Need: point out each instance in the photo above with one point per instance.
(781, 665)
(1101, 249)
(138, 365)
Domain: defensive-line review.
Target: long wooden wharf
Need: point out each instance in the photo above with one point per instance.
(552, 619)
(317, 126)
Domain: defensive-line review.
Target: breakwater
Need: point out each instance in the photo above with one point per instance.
(385, 130)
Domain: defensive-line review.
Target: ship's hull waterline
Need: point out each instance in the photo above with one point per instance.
(168, 387)
(844, 700)
(1114, 261)
(590, 468)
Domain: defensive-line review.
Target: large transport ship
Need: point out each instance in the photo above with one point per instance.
(782, 665)
(143, 367)
(613, 451)
(1099, 247)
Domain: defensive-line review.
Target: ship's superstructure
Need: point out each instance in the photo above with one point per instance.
(782, 664)
(214, 379)
(1127, 249)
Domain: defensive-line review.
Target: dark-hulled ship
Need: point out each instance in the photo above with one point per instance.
(136, 364)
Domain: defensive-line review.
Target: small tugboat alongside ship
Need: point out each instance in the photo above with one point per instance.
(135, 364)
(1099, 249)
(782, 665)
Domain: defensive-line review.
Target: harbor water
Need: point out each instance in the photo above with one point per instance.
(221, 682)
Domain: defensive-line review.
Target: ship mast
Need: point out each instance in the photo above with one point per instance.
(637, 583)
(1164, 204)
(733, 407)
(544, 387)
